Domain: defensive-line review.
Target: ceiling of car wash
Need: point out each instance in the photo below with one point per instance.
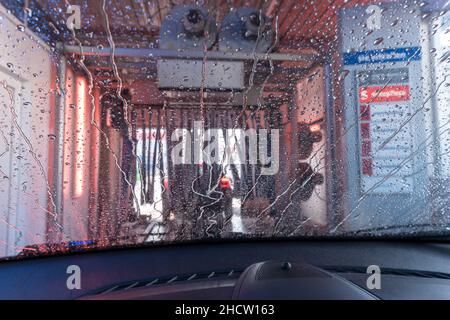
(137, 22)
(303, 27)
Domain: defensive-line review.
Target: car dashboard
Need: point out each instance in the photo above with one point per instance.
(239, 270)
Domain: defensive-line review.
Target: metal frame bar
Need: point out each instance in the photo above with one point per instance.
(174, 54)
(58, 156)
(331, 158)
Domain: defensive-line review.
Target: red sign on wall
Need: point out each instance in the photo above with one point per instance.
(384, 94)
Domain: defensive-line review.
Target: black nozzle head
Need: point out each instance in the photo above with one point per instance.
(194, 16)
(254, 19)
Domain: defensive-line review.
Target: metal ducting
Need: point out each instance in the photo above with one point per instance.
(246, 30)
(188, 27)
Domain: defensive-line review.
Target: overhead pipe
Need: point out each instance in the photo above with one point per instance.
(189, 54)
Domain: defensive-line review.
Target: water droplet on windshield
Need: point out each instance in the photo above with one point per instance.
(378, 41)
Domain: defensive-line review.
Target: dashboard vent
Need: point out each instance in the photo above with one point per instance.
(216, 275)
(389, 271)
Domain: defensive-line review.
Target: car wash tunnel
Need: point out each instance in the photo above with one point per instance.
(141, 121)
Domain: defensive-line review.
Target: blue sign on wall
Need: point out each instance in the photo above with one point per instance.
(383, 56)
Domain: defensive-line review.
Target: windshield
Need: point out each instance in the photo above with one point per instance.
(144, 122)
